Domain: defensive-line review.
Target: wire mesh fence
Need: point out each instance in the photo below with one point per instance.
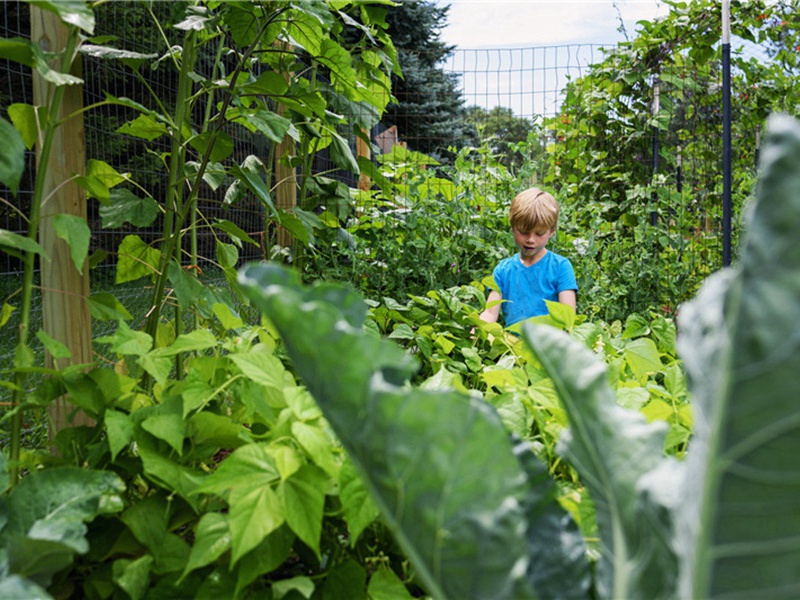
(529, 81)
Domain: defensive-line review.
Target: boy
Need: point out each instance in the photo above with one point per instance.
(536, 274)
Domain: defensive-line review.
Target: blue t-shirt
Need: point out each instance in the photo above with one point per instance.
(526, 288)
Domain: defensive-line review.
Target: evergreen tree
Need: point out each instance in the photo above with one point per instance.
(429, 113)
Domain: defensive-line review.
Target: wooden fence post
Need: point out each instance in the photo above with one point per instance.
(65, 291)
(285, 177)
(285, 183)
(363, 150)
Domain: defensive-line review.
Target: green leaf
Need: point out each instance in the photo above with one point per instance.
(402, 331)
(132, 59)
(227, 317)
(104, 172)
(148, 520)
(643, 358)
(126, 207)
(158, 367)
(29, 54)
(5, 314)
(558, 567)
(127, 341)
(9, 239)
(247, 467)
(255, 512)
(47, 512)
(167, 424)
(119, 431)
(465, 542)
(270, 124)
(145, 127)
(214, 430)
(56, 349)
(318, 444)
(739, 342)
(227, 255)
(136, 260)
(94, 188)
(265, 558)
(346, 581)
(12, 156)
(243, 24)
(196, 394)
(359, 508)
(304, 586)
(167, 473)
(104, 306)
(76, 233)
(341, 154)
(15, 586)
(303, 496)
(190, 291)
(19, 50)
(194, 341)
(635, 326)
(133, 576)
(268, 83)
(261, 367)
(386, 585)
(249, 175)
(29, 121)
(295, 225)
(211, 540)
(234, 231)
(214, 174)
(85, 393)
(222, 148)
(615, 452)
(71, 12)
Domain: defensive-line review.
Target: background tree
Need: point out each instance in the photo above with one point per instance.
(429, 108)
(504, 132)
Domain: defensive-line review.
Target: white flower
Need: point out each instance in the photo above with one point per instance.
(581, 245)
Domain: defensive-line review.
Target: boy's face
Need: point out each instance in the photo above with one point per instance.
(532, 243)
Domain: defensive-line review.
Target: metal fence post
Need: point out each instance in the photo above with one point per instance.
(726, 133)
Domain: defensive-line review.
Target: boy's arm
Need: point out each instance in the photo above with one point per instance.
(492, 313)
(567, 297)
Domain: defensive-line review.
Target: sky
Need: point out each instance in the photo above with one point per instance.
(516, 23)
(520, 53)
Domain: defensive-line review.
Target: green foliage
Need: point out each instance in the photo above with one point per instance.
(228, 476)
(421, 228)
(645, 239)
(741, 353)
(453, 495)
(468, 464)
(507, 135)
(718, 524)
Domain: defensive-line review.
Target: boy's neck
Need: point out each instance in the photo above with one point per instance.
(532, 260)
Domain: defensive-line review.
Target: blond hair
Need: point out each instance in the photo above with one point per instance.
(533, 209)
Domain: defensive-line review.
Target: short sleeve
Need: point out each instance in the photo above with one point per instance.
(566, 277)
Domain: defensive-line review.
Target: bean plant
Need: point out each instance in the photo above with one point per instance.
(476, 513)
